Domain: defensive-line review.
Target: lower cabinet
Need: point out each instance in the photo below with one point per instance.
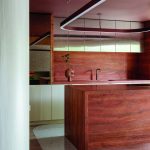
(47, 102)
(35, 102)
(57, 102)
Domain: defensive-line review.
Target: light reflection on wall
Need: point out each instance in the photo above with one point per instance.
(96, 46)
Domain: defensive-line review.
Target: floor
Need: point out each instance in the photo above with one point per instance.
(34, 144)
(49, 137)
(45, 142)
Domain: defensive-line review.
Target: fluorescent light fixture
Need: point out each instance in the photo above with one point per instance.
(82, 11)
(40, 39)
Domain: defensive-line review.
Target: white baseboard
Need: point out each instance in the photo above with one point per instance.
(33, 123)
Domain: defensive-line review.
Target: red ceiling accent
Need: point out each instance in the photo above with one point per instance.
(138, 10)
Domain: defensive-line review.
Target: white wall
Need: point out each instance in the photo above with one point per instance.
(14, 62)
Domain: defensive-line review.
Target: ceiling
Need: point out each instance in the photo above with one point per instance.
(131, 10)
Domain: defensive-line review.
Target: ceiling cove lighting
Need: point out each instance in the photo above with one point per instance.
(42, 37)
(82, 11)
(82, 29)
(85, 9)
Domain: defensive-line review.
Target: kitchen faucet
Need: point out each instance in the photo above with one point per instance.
(97, 70)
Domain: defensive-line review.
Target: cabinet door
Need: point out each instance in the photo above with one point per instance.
(46, 102)
(35, 102)
(40, 101)
(57, 102)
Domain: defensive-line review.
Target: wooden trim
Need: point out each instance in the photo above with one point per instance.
(51, 47)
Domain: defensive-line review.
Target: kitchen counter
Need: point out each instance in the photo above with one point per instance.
(108, 82)
(107, 116)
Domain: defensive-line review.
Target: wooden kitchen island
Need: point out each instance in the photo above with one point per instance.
(113, 117)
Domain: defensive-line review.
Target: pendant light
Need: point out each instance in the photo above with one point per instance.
(100, 33)
(84, 35)
(68, 41)
(115, 36)
(130, 36)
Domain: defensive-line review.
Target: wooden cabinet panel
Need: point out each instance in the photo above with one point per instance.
(109, 117)
(144, 67)
(57, 102)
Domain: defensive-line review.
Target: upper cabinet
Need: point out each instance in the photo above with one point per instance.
(41, 47)
(62, 40)
(97, 41)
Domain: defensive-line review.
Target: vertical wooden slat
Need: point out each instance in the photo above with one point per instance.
(51, 46)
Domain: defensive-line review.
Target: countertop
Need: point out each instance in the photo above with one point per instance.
(109, 82)
(89, 88)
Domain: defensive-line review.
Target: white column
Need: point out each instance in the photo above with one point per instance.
(14, 66)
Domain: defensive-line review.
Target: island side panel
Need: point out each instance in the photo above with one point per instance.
(118, 118)
(75, 117)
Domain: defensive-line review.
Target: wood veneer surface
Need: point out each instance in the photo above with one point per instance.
(114, 66)
(144, 66)
(106, 88)
(108, 117)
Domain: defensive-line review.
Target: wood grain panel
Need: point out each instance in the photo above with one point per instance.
(114, 66)
(108, 117)
(75, 117)
(144, 59)
(118, 119)
(144, 66)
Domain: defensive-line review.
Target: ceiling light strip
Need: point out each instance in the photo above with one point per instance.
(82, 11)
(44, 36)
(81, 29)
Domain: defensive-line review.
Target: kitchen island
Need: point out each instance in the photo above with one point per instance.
(105, 117)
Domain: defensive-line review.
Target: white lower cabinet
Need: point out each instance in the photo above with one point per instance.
(57, 102)
(47, 102)
(35, 102)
